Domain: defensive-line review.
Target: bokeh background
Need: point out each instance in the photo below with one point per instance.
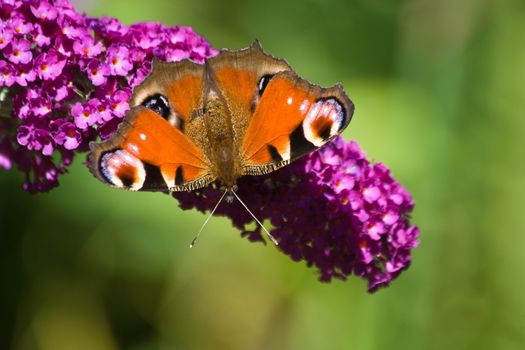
(439, 88)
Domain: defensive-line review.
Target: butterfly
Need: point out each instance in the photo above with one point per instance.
(240, 113)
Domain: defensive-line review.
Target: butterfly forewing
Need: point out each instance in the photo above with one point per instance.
(292, 118)
(149, 154)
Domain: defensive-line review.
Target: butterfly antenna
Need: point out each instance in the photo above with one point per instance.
(257, 220)
(194, 241)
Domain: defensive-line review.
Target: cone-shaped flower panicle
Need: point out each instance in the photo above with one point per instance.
(332, 208)
(66, 78)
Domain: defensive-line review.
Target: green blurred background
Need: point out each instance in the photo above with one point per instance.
(439, 89)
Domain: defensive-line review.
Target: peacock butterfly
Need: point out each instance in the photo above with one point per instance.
(240, 113)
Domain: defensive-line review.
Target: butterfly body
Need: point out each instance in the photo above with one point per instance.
(241, 113)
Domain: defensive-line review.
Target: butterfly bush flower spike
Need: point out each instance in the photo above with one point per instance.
(66, 78)
(333, 209)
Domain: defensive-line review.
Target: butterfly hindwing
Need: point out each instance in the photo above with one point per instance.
(240, 75)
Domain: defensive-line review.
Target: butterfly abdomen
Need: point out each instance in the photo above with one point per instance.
(222, 150)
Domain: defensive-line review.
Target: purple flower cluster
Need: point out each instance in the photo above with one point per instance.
(332, 209)
(66, 78)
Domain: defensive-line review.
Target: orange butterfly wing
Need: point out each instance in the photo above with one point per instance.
(153, 149)
(276, 116)
(132, 158)
(291, 119)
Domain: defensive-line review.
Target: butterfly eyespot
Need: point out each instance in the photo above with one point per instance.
(263, 82)
(324, 120)
(158, 104)
(122, 169)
